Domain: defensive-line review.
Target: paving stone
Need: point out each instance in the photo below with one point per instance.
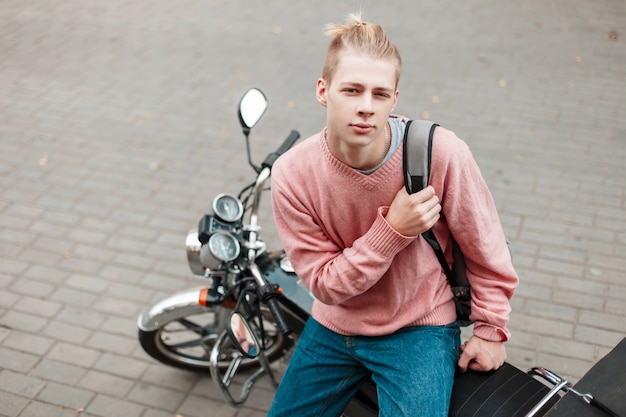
(44, 274)
(78, 265)
(75, 300)
(109, 342)
(19, 384)
(93, 252)
(11, 266)
(12, 405)
(171, 378)
(157, 413)
(39, 408)
(122, 307)
(41, 257)
(53, 245)
(57, 371)
(66, 332)
(65, 396)
(155, 396)
(197, 406)
(121, 326)
(9, 250)
(84, 282)
(26, 342)
(112, 407)
(120, 365)
(139, 294)
(38, 306)
(4, 332)
(75, 355)
(7, 299)
(598, 337)
(108, 384)
(23, 321)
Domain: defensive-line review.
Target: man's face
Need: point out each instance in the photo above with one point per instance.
(359, 99)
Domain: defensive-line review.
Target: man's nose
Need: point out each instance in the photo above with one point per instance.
(365, 105)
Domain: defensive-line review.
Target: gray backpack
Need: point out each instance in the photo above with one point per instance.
(417, 145)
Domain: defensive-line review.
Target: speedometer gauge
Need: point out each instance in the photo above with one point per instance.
(221, 247)
(227, 208)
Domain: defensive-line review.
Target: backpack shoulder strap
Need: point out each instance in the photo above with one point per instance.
(417, 149)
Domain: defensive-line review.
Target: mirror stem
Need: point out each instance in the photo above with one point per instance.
(246, 131)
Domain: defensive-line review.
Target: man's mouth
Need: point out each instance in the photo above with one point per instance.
(362, 128)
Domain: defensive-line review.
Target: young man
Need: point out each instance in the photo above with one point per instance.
(383, 305)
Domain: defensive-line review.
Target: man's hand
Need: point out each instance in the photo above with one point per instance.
(411, 215)
(481, 355)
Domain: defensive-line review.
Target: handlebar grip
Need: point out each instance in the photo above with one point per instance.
(284, 147)
(278, 315)
(288, 143)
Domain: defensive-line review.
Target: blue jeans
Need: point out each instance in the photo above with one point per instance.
(413, 370)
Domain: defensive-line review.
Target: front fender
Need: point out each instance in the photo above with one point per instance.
(174, 307)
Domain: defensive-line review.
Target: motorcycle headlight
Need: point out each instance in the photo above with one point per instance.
(221, 247)
(193, 245)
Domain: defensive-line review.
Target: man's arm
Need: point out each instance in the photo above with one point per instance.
(333, 273)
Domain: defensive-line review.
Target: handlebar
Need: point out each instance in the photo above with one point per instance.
(267, 292)
(284, 147)
(280, 320)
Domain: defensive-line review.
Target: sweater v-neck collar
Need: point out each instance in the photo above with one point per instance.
(367, 181)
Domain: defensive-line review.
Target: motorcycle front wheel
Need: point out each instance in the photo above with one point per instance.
(187, 342)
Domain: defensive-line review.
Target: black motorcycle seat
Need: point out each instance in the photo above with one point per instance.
(507, 392)
(606, 381)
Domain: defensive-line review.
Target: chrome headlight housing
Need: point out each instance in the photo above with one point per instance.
(193, 246)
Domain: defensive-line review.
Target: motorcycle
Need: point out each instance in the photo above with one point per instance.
(253, 307)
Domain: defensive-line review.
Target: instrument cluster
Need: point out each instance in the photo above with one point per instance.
(217, 239)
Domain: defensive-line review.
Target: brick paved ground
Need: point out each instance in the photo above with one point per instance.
(118, 125)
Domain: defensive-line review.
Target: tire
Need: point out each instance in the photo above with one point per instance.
(187, 343)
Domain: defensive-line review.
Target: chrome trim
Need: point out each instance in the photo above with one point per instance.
(554, 379)
(174, 307)
(193, 247)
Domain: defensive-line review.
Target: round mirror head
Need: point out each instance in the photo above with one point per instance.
(242, 335)
(251, 107)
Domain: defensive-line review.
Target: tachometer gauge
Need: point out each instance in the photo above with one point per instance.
(221, 247)
(227, 208)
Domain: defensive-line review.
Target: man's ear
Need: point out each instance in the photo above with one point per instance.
(320, 91)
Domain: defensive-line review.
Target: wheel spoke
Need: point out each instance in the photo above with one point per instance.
(196, 328)
(187, 343)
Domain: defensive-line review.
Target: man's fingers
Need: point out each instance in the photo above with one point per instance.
(463, 362)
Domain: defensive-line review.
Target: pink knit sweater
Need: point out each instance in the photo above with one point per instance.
(367, 278)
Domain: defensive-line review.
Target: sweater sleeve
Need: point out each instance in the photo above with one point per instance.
(471, 215)
(333, 273)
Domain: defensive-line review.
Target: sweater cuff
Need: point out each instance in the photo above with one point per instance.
(384, 238)
(491, 333)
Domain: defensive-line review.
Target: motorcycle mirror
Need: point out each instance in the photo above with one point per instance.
(242, 335)
(251, 107)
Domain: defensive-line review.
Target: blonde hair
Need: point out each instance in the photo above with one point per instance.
(360, 37)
